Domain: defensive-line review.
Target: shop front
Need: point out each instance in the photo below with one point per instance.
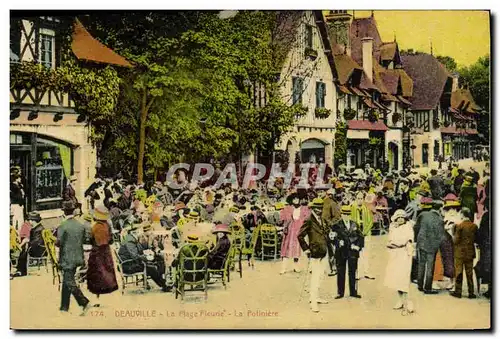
(46, 164)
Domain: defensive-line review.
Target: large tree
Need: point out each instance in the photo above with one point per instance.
(477, 78)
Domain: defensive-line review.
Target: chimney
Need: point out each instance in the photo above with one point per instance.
(368, 57)
(454, 85)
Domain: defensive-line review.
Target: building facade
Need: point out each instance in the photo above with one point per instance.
(308, 75)
(49, 141)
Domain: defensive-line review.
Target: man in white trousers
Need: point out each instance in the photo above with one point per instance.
(17, 197)
(316, 249)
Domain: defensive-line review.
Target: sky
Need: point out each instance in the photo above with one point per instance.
(463, 35)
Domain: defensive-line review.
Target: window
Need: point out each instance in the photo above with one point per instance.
(320, 94)
(309, 36)
(348, 101)
(47, 48)
(297, 89)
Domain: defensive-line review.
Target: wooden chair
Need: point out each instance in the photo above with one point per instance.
(47, 237)
(15, 246)
(130, 278)
(250, 250)
(223, 273)
(50, 245)
(192, 269)
(238, 242)
(269, 240)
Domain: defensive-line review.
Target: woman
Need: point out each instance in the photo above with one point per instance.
(217, 256)
(101, 278)
(401, 249)
(293, 218)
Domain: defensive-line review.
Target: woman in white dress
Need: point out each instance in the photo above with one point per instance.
(401, 249)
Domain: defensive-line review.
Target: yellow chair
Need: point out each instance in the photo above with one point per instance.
(50, 246)
(15, 246)
(43, 259)
(238, 242)
(192, 269)
(269, 240)
(224, 271)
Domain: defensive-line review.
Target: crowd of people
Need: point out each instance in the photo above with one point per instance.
(434, 223)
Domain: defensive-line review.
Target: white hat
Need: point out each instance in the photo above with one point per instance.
(398, 214)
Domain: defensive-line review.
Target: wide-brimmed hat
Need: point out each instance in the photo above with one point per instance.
(346, 209)
(279, 205)
(224, 228)
(452, 204)
(179, 205)
(399, 214)
(450, 197)
(193, 215)
(34, 216)
(426, 203)
(192, 238)
(234, 209)
(316, 202)
(101, 213)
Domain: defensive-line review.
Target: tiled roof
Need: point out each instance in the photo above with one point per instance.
(462, 99)
(429, 79)
(345, 65)
(388, 51)
(366, 83)
(391, 81)
(366, 125)
(362, 28)
(86, 47)
(454, 130)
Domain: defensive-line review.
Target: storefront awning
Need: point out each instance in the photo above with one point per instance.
(366, 125)
(344, 89)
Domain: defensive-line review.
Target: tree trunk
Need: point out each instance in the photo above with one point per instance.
(142, 136)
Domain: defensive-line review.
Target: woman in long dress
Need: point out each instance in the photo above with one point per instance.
(293, 218)
(401, 249)
(101, 278)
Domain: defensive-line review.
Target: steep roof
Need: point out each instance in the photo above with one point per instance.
(345, 65)
(388, 50)
(86, 47)
(429, 79)
(462, 99)
(362, 28)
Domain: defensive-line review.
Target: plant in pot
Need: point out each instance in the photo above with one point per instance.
(396, 117)
(311, 53)
(373, 116)
(300, 110)
(349, 114)
(322, 112)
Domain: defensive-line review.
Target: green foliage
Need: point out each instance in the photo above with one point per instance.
(322, 112)
(375, 141)
(448, 62)
(340, 153)
(349, 113)
(477, 78)
(373, 116)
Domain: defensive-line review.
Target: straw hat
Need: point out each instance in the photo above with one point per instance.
(452, 204)
(192, 238)
(346, 209)
(34, 216)
(450, 197)
(234, 209)
(398, 214)
(426, 203)
(317, 202)
(193, 215)
(101, 213)
(279, 206)
(221, 228)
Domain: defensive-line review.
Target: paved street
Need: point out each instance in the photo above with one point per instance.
(261, 299)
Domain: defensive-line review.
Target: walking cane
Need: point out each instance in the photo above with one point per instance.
(306, 274)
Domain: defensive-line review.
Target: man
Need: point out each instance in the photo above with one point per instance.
(329, 216)
(316, 232)
(465, 252)
(436, 184)
(349, 241)
(31, 242)
(70, 240)
(69, 193)
(363, 218)
(429, 230)
(483, 267)
(468, 195)
(458, 181)
(132, 253)
(17, 196)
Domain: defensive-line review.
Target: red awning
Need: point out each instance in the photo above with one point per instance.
(86, 47)
(454, 130)
(366, 125)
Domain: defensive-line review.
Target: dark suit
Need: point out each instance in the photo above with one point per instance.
(131, 249)
(429, 230)
(69, 194)
(317, 235)
(345, 255)
(465, 252)
(70, 239)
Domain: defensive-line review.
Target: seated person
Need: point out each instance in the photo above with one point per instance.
(31, 242)
(133, 249)
(195, 243)
(217, 256)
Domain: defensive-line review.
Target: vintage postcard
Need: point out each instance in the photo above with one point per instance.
(250, 169)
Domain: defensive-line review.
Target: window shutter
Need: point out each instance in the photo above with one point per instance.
(318, 94)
